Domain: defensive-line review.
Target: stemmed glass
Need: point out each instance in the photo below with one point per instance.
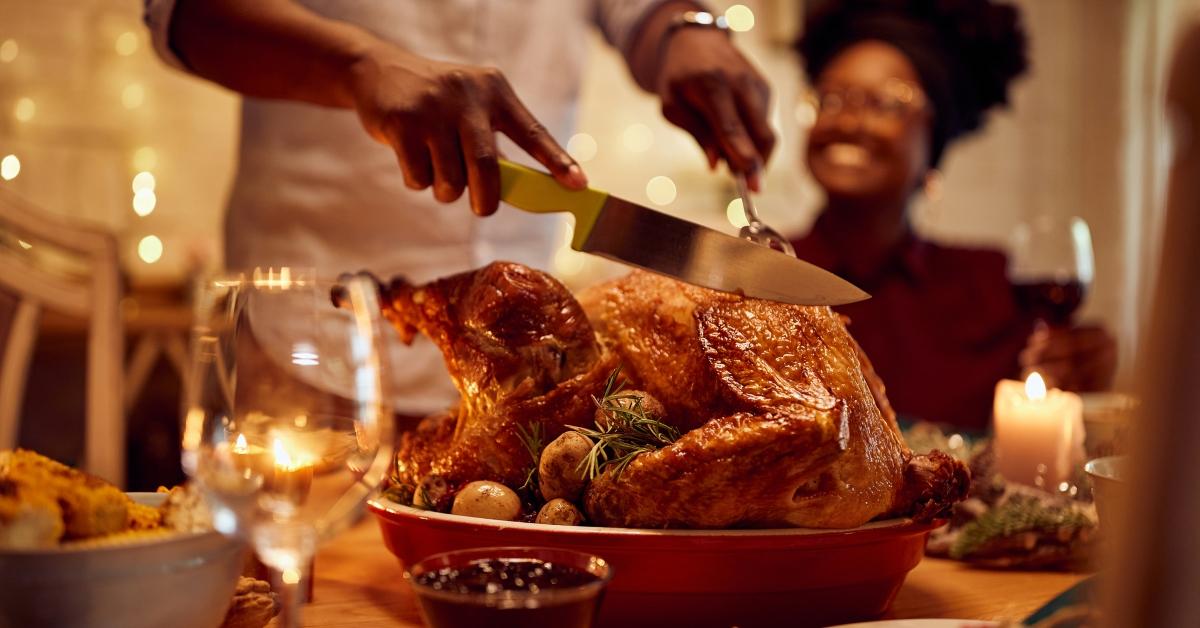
(1051, 266)
(286, 428)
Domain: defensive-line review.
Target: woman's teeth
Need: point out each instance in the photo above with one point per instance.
(850, 155)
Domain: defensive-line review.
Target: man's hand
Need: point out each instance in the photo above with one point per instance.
(711, 91)
(1081, 359)
(442, 119)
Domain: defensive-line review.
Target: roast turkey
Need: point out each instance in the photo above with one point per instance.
(782, 419)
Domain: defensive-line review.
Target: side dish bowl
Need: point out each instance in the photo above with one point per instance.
(183, 580)
(794, 577)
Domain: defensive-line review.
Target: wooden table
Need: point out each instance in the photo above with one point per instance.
(359, 585)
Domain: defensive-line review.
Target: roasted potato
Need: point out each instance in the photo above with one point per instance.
(649, 405)
(560, 512)
(560, 472)
(488, 500)
(431, 493)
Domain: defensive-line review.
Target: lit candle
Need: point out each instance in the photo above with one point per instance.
(292, 476)
(249, 460)
(1039, 433)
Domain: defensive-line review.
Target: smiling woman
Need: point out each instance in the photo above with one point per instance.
(897, 83)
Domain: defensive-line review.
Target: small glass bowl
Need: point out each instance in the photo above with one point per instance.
(572, 606)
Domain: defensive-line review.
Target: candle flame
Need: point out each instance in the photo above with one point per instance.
(1035, 386)
(240, 446)
(283, 459)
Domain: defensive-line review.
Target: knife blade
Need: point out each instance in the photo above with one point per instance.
(631, 234)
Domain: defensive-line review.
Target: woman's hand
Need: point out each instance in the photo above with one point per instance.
(442, 119)
(1082, 359)
(711, 91)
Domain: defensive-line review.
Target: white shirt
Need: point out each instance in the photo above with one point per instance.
(313, 190)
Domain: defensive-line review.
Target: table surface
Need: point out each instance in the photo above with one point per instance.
(359, 584)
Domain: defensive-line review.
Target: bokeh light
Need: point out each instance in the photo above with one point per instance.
(568, 262)
(127, 43)
(740, 18)
(582, 147)
(9, 50)
(806, 114)
(133, 96)
(144, 202)
(661, 190)
(10, 167)
(25, 109)
(143, 181)
(145, 158)
(736, 214)
(150, 249)
(638, 137)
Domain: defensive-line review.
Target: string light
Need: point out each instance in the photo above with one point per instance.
(582, 147)
(9, 50)
(25, 109)
(638, 138)
(740, 18)
(143, 181)
(736, 214)
(10, 167)
(133, 96)
(144, 202)
(145, 158)
(150, 249)
(661, 190)
(127, 43)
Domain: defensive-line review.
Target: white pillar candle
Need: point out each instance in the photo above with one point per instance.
(1039, 433)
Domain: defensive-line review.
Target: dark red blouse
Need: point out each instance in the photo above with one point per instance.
(942, 326)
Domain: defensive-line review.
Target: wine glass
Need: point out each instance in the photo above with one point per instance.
(286, 429)
(1051, 266)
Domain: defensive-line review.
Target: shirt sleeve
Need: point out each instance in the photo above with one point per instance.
(619, 19)
(157, 15)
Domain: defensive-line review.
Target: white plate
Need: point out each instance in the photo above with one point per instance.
(923, 623)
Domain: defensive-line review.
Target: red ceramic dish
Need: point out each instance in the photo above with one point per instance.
(792, 577)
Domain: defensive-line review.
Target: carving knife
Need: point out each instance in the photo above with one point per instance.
(631, 234)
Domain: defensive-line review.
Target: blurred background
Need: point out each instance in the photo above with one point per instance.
(95, 127)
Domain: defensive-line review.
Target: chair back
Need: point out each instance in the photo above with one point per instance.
(51, 264)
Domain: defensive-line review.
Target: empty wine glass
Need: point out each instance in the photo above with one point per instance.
(286, 428)
(1051, 266)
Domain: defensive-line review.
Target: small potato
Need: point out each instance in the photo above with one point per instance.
(560, 512)
(488, 500)
(559, 473)
(431, 493)
(650, 406)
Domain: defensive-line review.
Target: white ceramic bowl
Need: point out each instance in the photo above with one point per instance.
(183, 581)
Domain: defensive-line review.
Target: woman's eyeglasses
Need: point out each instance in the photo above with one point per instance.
(891, 101)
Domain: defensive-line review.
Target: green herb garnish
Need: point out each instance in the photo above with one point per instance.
(628, 431)
(534, 441)
(1016, 515)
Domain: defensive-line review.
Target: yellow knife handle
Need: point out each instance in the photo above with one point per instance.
(538, 192)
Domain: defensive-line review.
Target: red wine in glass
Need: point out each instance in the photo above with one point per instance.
(1051, 266)
(1051, 301)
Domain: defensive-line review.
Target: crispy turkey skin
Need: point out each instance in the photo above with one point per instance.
(782, 419)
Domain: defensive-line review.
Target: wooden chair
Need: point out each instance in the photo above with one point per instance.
(29, 285)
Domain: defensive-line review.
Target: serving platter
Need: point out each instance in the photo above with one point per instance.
(794, 577)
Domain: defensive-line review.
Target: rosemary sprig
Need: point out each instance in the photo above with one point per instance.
(534, 441)
(629, 430)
